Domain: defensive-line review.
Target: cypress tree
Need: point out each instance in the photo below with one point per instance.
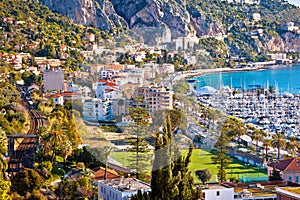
(171, 178)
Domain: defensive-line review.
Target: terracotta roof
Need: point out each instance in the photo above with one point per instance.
(68, 93)
(111, 174)
(102, 81)
(53, 95)
(282, 165)
(114, 67)
(110, 84)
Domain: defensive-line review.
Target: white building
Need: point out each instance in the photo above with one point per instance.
(106, 90)
(97, 110)
(256, 16)
(121, 189)
(218, 192)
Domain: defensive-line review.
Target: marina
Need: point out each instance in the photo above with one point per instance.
(249, 97)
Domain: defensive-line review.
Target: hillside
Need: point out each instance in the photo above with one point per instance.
(158, 21)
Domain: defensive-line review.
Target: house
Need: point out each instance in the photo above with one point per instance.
(120, 189)
(106, 90)
(58, 99)
(218, 192)
(289, 169)
(110, 174)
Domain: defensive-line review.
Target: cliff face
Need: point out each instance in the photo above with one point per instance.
(155, 20)
(158, 21)
(100, 13)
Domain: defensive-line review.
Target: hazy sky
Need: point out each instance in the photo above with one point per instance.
(295, 2)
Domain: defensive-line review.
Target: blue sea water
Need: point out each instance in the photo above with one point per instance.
(283, 78)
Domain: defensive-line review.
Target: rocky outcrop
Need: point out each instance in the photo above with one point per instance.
(202, 25)
(99, 13)
(275, 44)
(156, 20)
(292, 42)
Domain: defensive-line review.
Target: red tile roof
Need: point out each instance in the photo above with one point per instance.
(111, 174)
(110, 84)
(114, 67)
(292, 164)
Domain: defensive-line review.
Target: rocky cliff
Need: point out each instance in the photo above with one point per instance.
(155, 20)
(99, 13)
(159, 21)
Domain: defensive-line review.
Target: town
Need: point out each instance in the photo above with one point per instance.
(104, 114)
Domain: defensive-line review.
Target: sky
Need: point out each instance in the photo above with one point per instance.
(295, 2)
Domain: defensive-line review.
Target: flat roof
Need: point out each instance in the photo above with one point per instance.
(126, 184)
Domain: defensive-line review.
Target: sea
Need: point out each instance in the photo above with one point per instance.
(284, 78)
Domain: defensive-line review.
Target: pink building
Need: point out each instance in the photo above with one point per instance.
(289, 169)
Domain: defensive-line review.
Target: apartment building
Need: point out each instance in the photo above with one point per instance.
(155, 97)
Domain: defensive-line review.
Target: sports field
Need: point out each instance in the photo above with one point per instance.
(201, 160)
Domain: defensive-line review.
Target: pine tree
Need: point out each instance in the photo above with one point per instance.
(221, 159)
(140, 160)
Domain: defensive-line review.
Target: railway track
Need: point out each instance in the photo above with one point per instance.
(24, 154)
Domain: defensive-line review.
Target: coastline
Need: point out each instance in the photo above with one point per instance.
(201, 72)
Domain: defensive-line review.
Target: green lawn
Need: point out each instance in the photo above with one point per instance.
(201, 160)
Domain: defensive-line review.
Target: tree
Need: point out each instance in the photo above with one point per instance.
(26, 181)
(221, 159)
(4, 190)
(55, 138)
(140, 160)
(275, 176)
(203, 175)
(234, 127)
(278, 142)
(292, 145)
(171, 178)
(257, 135)
(267, 143)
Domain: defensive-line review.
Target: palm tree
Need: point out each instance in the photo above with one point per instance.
(267, 143)
(278, 142)
(257, 135)
(234, 127)
(55, 138)
(292, 145)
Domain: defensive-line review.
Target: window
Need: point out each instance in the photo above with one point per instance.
(218, 193)
(297, 179)
(290, 178)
